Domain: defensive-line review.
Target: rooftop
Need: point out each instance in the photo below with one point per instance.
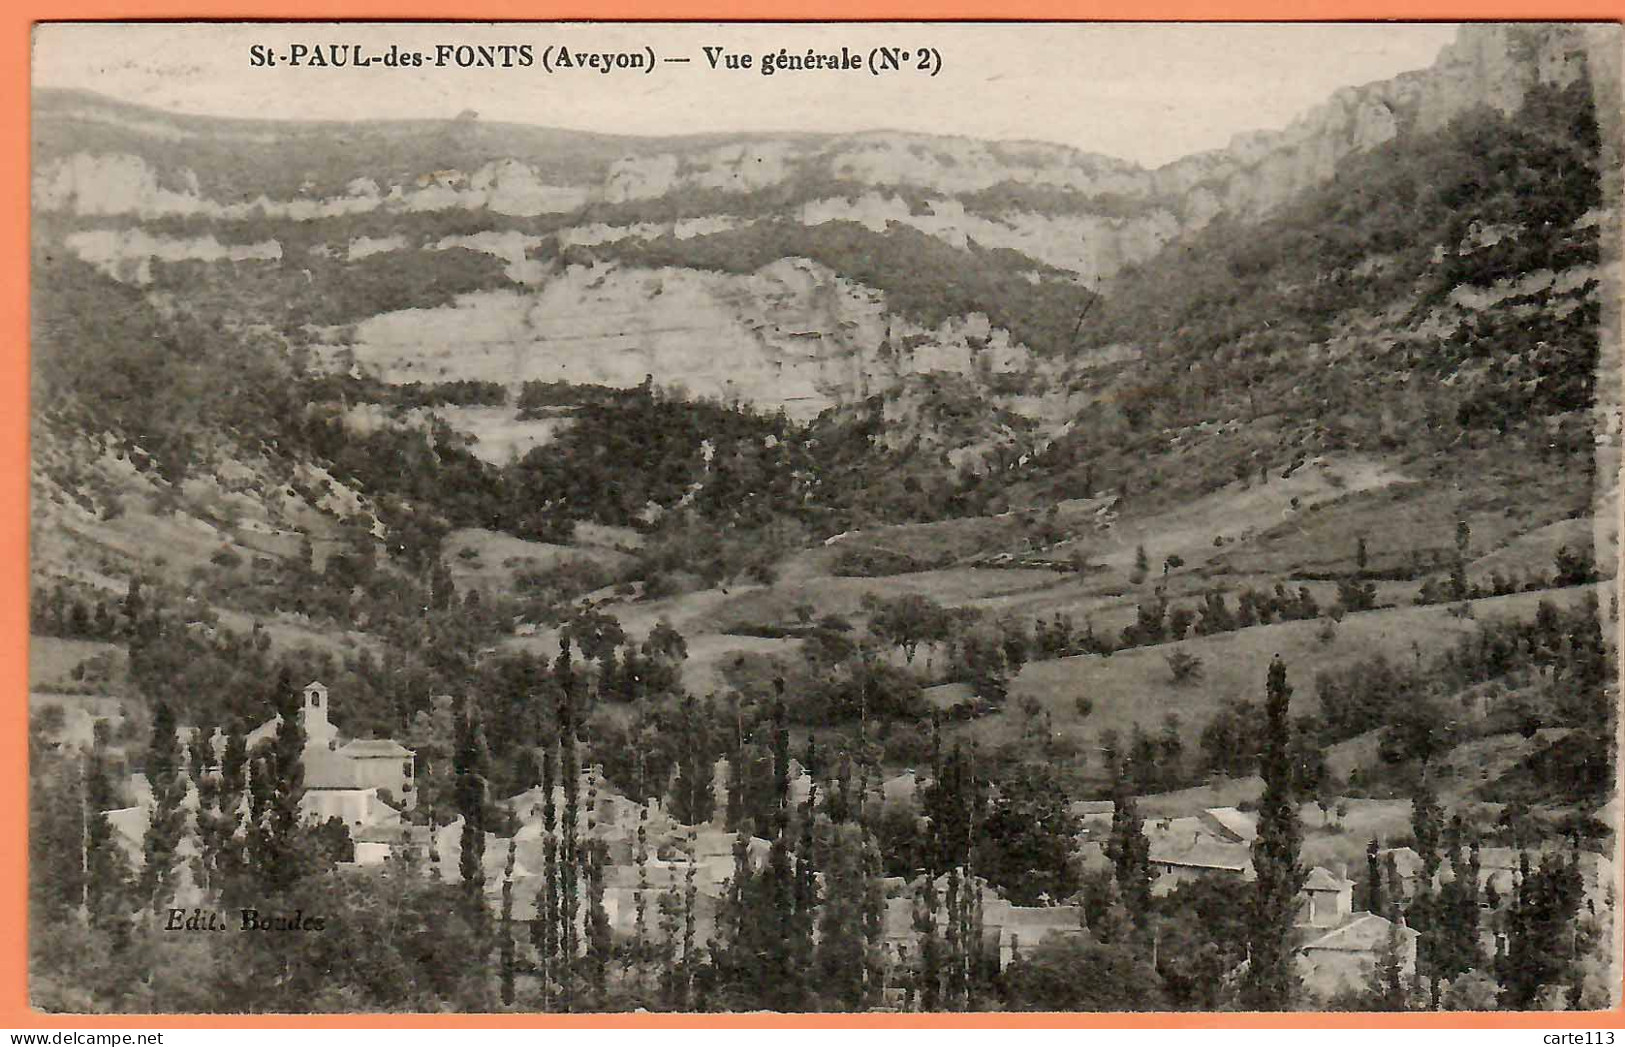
(1202, 853)
(1365, 933)
(1322, 879)
(366, 747)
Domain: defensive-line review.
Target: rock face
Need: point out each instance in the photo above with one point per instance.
(1492, 65)
(131, 189)
(792, 335)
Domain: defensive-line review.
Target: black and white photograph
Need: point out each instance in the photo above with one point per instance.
(909, 517)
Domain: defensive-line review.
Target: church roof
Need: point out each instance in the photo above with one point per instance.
(380, 832)
(325, 769)
(368, 747)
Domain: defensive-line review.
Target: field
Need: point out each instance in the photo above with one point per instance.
(488, 560)
(1136, 686)
(51, 661)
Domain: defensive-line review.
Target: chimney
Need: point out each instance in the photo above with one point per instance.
(1343, 871)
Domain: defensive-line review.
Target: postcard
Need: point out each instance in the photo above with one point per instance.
(913, 517)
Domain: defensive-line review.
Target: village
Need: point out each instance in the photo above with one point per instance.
(367, 785)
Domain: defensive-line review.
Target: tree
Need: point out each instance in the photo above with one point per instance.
(220, 798)
(1373, 878)
(692, 798)
(167, 820)
(1271, 982)
(544, 930)
(569, 853)
(470, 767)
(1130, 852)
(1142, 565)
(278, 780)
(1471, 991)
(1171, 758)
(1024, 844)
(594, 633)
(840, 954)
(985, 667)
(1071, 973)
(1427, 826)
(1180, 620)
(908, 621)
(665, 642)
(1540, 936)
(508, 953)
(1385, 990)
(1200, 937)
(1184, 667)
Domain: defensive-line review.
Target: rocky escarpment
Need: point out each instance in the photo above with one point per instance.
(280, 205)
(793, 335)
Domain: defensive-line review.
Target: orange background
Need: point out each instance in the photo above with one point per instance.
(15, 22)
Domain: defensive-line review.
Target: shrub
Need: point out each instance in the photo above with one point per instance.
(1184, 667)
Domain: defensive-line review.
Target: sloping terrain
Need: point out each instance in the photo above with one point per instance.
(417, 396)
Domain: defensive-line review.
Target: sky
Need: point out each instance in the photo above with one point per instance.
(1145, 93)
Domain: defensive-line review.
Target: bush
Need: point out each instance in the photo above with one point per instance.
(1184, 667)
(874, 563)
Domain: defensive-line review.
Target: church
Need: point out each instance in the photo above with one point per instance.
(361, 782)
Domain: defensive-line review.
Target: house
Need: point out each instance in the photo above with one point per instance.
(1345, 958)
(607, 811)
(1094, 817)
(1178, 860)
(1327, 899)
(1405, 865)
(1500, 868)
(1230, 824)
(1018, 929)
(901, 788)
(375, 843)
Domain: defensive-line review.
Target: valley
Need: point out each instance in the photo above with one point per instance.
(1024, 494)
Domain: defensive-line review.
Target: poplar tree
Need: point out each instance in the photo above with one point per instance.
(671, 926)
(544, 930)
(874, 920)
(839, 958)
(1271, 983)
(569, 848)
(508, 958)
(469, 765)
(691, 895)
(107, 874)
(598, 939)
(279, 781)
(1130, 852)
(638, 956)
(735, 813)
(167, 822)
(216, 817)
(928, 969)
(1427, 826)
(692, 798)
(1373, 877)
